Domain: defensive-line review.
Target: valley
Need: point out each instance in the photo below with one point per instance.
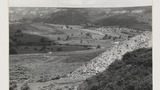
(80, 48)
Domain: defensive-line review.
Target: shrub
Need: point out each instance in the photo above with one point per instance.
(43, 48)
(12, 51)
(12, 85)
(67, 38)
(26, 47)
(116, 65)
(58, 38)
(43, 79)
(89, 34)
(98, 46)
(35, 48)
(19, 31)
(25, 87)
(56, 77)
(42, 40)
(106, 36)
(109, 37)
(59, 49)
(81, 41)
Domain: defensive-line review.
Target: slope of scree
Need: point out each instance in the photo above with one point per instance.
(100, 63)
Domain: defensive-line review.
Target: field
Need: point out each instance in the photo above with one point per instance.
(33, 36)
(38, 69)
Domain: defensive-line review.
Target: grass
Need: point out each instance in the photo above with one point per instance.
(133, 72)
(33, 67)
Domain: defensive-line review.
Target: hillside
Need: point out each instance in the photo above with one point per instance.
(124, 17)
(126, 57)
(101, 63)
(132, 72)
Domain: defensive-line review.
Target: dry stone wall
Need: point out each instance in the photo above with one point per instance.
(100, 63)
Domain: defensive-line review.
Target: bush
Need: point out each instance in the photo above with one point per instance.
(109, 37)
(43, 48)
(106, 36)
(19, 31)
(56, 77)
(26, 47)
(58, 38)
(25, 87)
(59, 49)
(89, 34)
(81, 41)
(35, 49)
(116, 65)
(67, 38)
(12, 51)
(98, 46)
(12, 85)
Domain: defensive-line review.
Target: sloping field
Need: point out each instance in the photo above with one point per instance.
(37, 68)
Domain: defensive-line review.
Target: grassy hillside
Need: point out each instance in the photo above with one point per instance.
(132, 72)
(39, 68)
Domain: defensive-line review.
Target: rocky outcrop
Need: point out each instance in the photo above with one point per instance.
(100, 63)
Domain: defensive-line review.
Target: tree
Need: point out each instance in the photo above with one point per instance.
(25, 87)
(21, 35)
(58, 38)
(98, 46)
(43, 48)
(19, 31)
(89, 34)
(114, 38)
(67, 26)
(81, 41)
(35, 49)
(15, 35)
(42, 39)
(109, 37)
(67, 38)
(12, 51)
(59, 49)
(106, 36)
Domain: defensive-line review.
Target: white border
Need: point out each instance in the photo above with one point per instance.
(4, 68)
(156, 45)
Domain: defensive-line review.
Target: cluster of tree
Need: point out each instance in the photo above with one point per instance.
(18, 35)
(89, 34)
(111, 37)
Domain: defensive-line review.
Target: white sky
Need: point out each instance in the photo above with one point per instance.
(78, 3)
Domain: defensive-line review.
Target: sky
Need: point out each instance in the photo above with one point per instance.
(79, 3)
